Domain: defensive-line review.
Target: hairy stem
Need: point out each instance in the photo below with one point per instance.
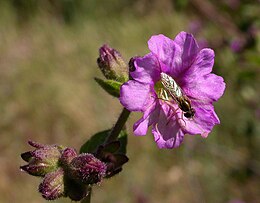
(118, 126)
(88, 197)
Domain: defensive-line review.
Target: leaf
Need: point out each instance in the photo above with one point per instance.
(98, 139)
(112, 87)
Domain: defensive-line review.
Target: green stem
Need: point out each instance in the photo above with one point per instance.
(119, 125)
(88, 197)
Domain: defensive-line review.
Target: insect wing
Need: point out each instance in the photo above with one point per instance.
(171, 86)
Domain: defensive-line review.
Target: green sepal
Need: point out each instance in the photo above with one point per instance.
(112, 87)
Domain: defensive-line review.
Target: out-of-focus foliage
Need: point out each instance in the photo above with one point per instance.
(48, 54)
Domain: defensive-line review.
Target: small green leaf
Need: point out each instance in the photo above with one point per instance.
(98, 139)
(112, 87)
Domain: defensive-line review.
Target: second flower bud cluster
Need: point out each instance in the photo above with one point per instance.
(65, 173)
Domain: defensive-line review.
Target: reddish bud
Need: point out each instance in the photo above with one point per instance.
(42, 160)
(67, 155)
(87, 169)
(112, 64)
(52, 186)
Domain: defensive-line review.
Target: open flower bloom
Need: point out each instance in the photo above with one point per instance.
(190, 69)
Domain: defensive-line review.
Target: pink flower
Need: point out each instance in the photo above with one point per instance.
(189, 68)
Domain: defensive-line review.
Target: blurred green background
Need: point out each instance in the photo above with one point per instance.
(48, 52)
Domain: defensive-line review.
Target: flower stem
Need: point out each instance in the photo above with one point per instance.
(118, 126)
(88, 197)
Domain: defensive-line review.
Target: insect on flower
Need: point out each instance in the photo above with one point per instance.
(174, 90)
(174, 87)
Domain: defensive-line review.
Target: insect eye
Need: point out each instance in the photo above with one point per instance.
(187, 115)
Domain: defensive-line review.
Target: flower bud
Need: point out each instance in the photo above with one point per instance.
(112, 64)
(87, 169)
(52, 186)
(67, 155)
(42, 160)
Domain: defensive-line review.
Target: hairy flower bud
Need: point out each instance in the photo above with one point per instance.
(52, 186)
(42, 160)
(67, 155)
(112, 64)
(87, 169)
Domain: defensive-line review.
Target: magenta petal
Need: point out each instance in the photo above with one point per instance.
(167, 133)
(198, 83)
(202, 66)
(206, 89)
(177, 54)
(147, 69)
(186, 52)
(141, 126)
(150, 116)
(164, 48)
(170, 139)
(135, 96)
(203, 63)
(204, 120)
(188, 45)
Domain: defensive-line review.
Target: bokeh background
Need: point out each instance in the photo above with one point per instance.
(48, 52)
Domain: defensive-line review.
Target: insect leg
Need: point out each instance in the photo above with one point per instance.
(183, 122)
